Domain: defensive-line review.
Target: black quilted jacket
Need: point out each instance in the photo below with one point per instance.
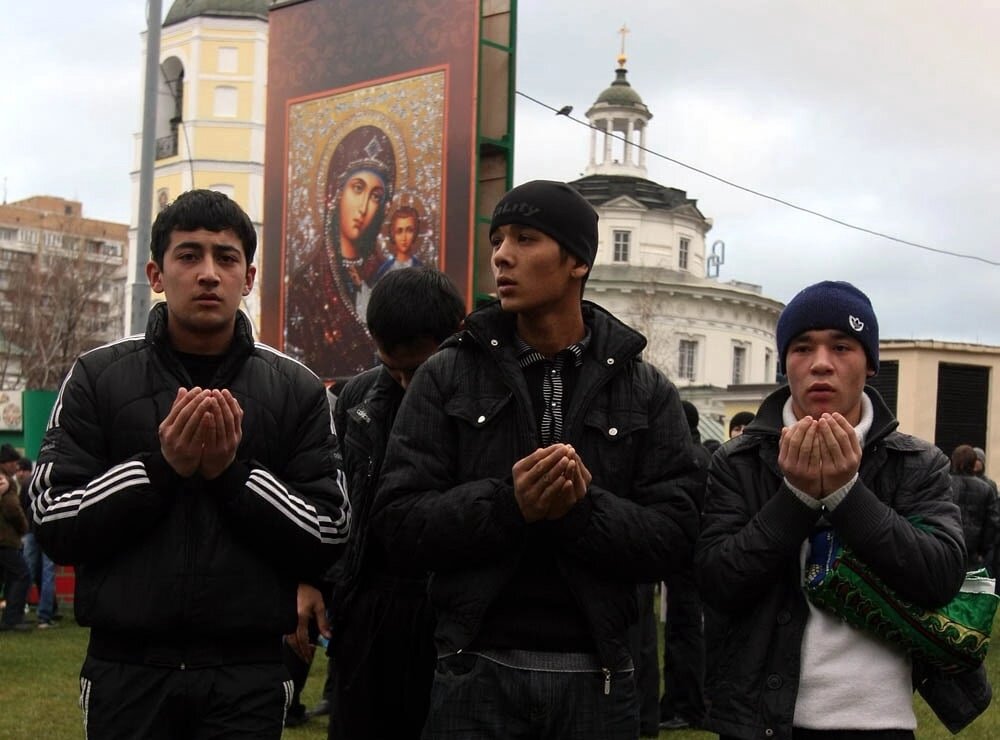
(167, 561)
(747, 560)
(979, 507)
(446, 500)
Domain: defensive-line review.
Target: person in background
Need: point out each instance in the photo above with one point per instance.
(192, 477)
(13, 526)
(980, 469)
(9, 458)
(994, 565)
(382, 624)
(739, 422)
(979, 506)
(682, 703)
(540, 470)
(40, 565)
(381, 649)
(823, 452)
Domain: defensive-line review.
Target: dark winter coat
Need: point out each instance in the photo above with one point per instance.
(748, 557)
(13, 524)
(363, 416)
(382, 624)
(980, 517)
(446, 501)
(185, 570)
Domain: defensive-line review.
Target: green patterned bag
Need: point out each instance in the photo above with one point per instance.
(953, 638)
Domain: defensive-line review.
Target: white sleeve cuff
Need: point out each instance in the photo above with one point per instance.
(830, 502)
(804, 497)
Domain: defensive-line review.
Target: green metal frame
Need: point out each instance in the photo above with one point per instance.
(505, 144)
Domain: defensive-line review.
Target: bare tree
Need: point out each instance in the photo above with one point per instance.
(52, 308)
(661, 344)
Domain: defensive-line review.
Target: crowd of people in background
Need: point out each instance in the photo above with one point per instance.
(477, 527)
(28, 574)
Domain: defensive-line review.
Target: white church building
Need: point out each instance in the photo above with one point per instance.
(658, 272)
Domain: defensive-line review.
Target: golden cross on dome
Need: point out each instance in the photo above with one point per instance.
(623, 31)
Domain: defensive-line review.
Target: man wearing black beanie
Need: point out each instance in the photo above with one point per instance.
(822, 457)
(541, 471)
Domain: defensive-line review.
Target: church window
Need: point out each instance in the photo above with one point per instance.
(622, 241)
(739, 364)
(686, 358)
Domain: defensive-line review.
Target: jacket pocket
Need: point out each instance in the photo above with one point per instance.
(617, 434)
(485, 425)
(477, 411)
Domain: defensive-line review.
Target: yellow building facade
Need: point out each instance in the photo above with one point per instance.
(211, 109)
(944, 392)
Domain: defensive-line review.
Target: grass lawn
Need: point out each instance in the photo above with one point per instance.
(39, 690)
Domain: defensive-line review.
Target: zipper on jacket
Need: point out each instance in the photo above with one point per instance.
(607, 681)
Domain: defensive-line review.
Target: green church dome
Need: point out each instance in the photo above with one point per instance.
(620, 92)
(182, 10)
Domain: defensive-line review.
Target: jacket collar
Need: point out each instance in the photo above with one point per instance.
(382, 391)
(611, 340)
(768, 421)
(241, 347)
(156, 327)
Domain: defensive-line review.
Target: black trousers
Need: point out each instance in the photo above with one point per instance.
(683, 651)
(384, 653)
(644, 647)
(298, 671)
(17, 581)
(126, 701)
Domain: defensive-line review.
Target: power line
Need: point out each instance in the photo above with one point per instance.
(759, 194)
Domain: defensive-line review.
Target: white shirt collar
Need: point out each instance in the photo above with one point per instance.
(863, 427)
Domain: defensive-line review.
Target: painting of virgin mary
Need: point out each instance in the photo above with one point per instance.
(328, 293)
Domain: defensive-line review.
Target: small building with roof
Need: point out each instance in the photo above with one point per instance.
(656, 271)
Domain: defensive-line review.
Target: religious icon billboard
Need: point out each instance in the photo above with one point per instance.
(371, 158)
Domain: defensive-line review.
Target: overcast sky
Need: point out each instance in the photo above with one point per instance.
(880, 113)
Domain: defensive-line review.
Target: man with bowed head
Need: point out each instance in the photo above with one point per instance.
(822, 452)
(191, 476)
(539, 468)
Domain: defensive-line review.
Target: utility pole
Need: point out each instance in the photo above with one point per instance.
(140, 285)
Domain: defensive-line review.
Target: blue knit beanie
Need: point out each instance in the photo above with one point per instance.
(555, 209)
(829, 305)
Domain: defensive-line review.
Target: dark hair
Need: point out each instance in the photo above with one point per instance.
(691, 414)
(740, 419)
(412, 303)
(24, 464)
(202, 209)
(963, 460)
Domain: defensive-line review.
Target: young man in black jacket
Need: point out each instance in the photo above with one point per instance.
(539, 469)
(822, 452)
(192, 477)
(382, 636)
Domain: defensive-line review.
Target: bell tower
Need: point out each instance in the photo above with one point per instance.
(621, 115)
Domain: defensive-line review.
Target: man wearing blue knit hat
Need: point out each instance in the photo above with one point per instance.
(822, 454)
